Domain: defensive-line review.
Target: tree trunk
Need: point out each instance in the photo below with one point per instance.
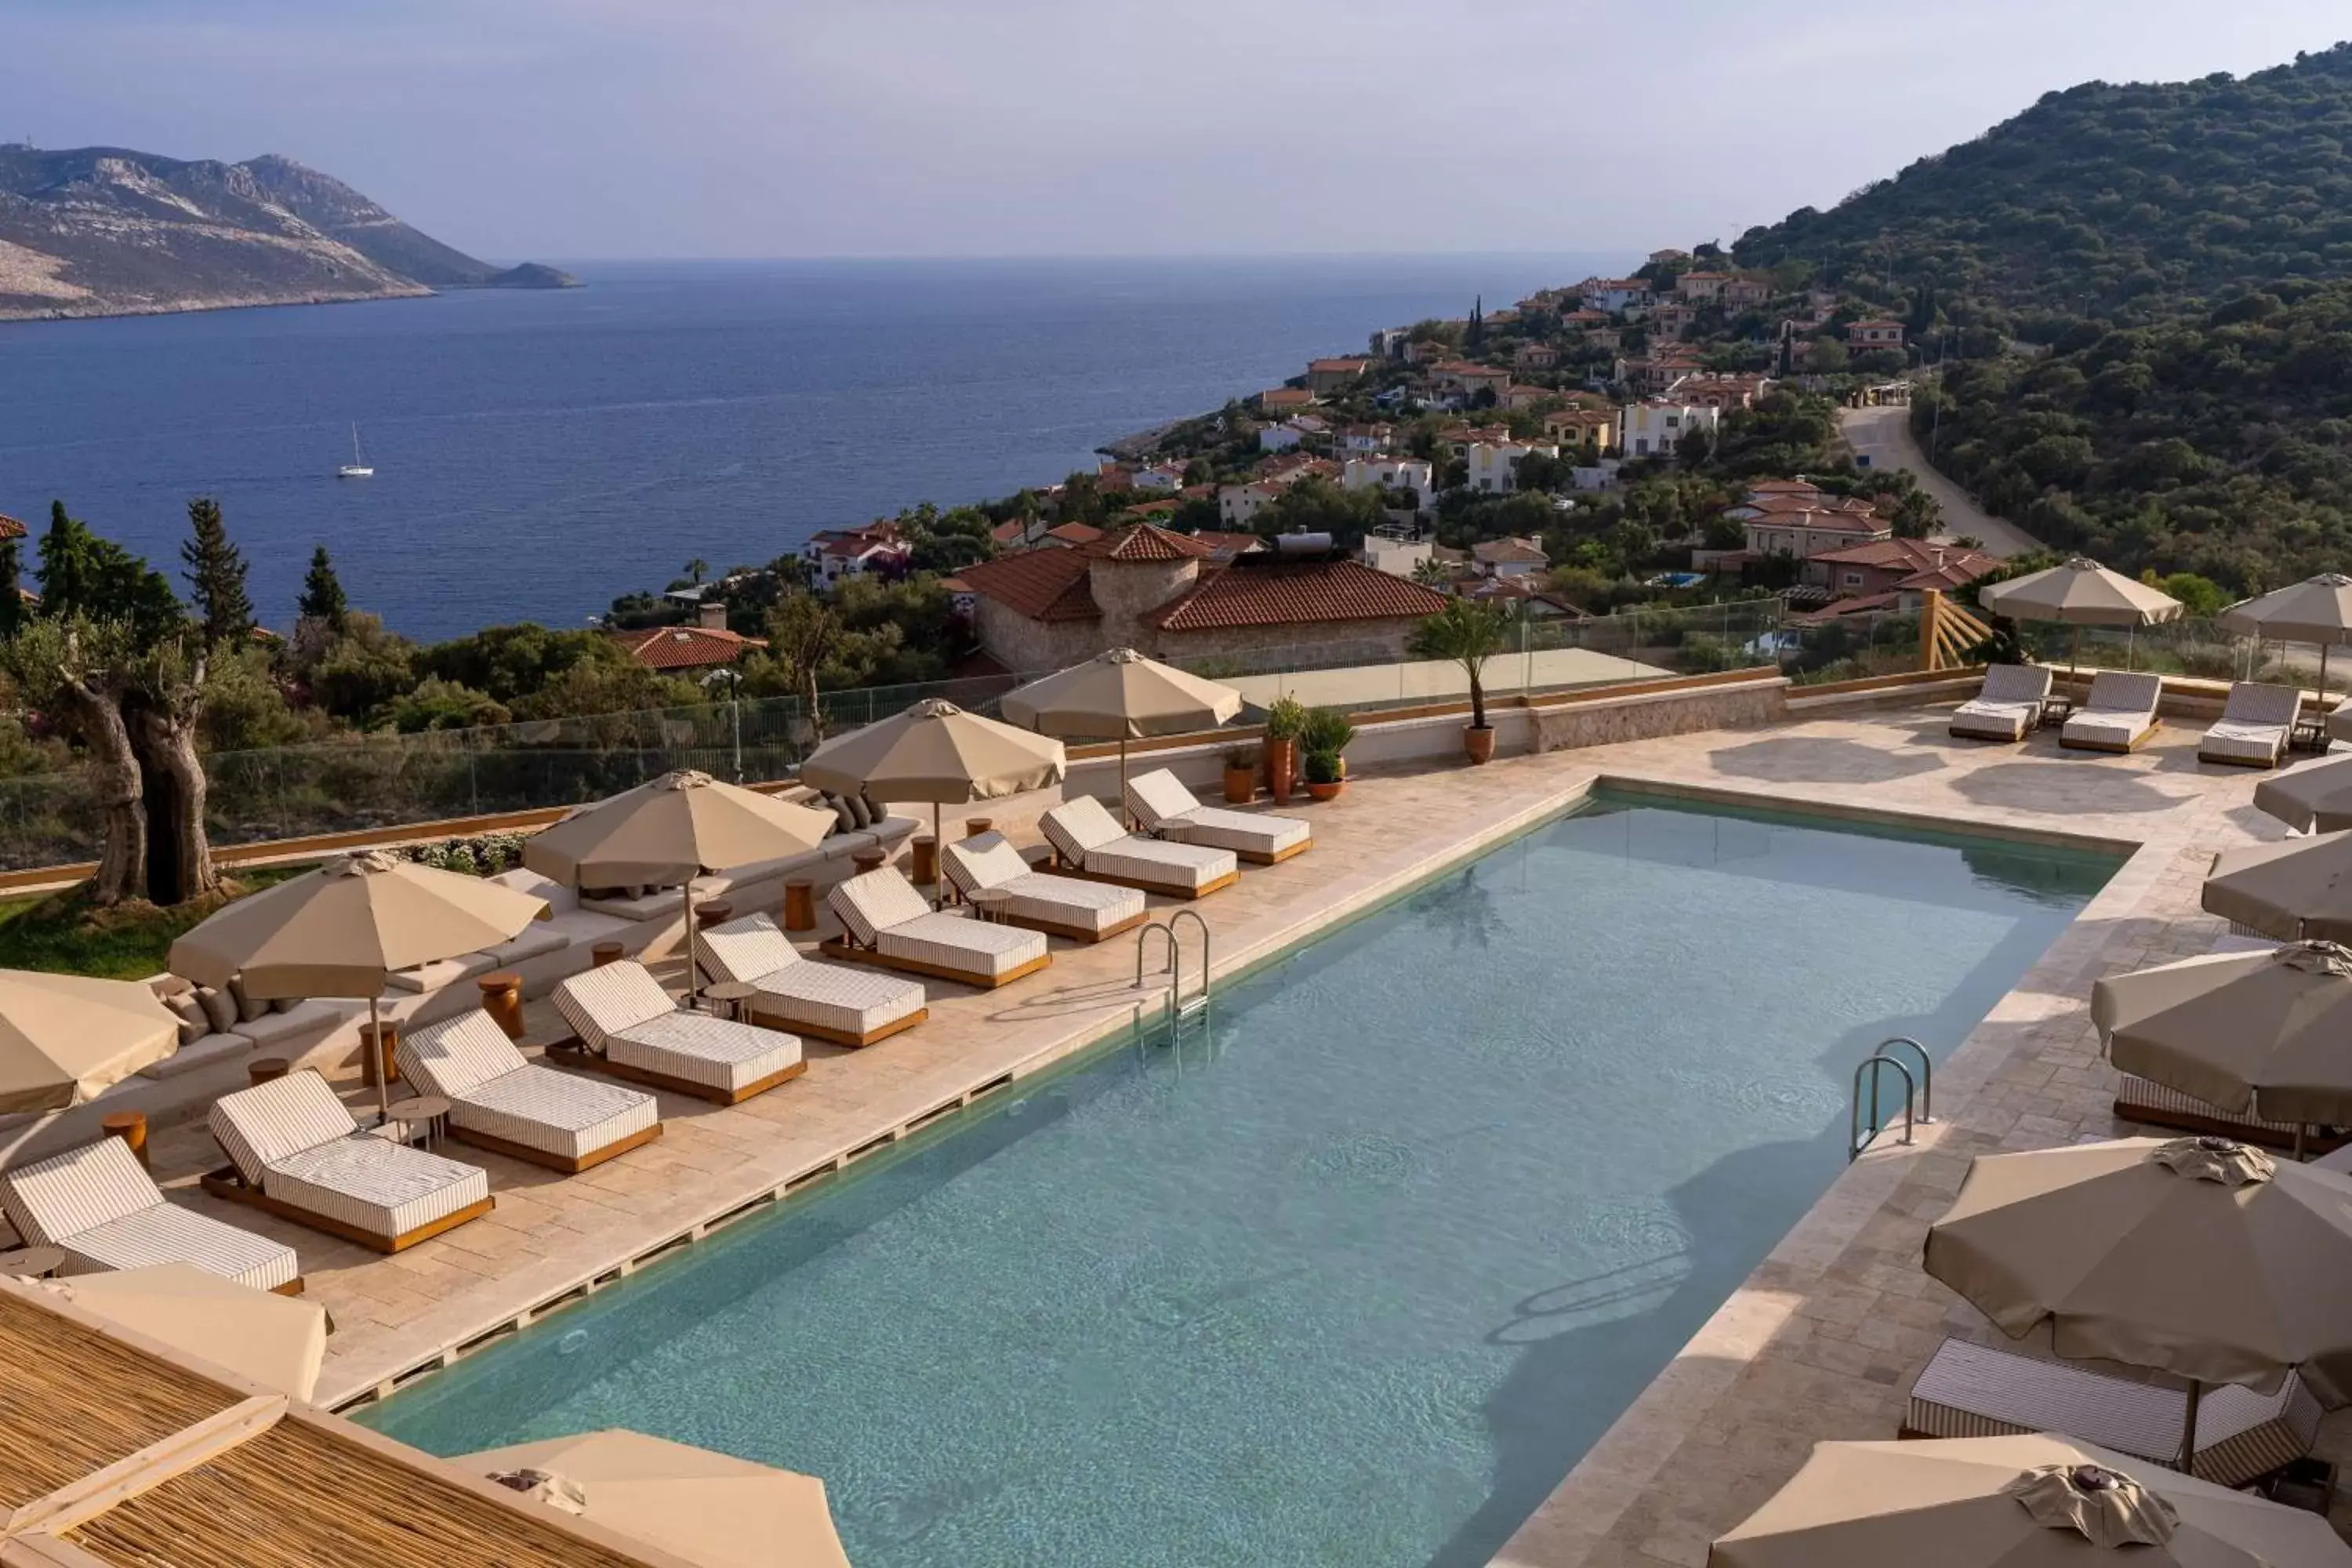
(180, 855)
(114, 780)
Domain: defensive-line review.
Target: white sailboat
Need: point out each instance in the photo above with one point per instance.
(358, 467)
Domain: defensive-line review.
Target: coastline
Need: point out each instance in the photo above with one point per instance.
(98, 312)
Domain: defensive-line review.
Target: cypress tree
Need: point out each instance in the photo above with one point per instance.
(322, 595)
(215, 574)
(68, 565)
(12, 581)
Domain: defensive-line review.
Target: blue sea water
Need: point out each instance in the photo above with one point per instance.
(538, 453)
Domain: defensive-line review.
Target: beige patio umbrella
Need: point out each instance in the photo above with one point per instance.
(710, 1508)
(672, 830)
(1120, 696)
(2316, 610)
(274, 1340)
(935, 752)
(2035, 1502)
(2198, 1256)
(2265, 1033)
(2080, 594)
(2311, 799)
(2298, 889)
(342, 930)
(66, 1039)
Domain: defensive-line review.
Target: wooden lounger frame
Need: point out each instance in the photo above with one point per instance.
(782, 1025)
(2142, 739)
(2221, 762)
(566, 1163)
(229, 1184)
(596, 1061)
(1072, 932)
(838, 947)
(1255, 858)
(2315, 1140)
(1166, 889)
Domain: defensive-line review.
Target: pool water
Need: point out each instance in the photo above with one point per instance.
(1356, 1277)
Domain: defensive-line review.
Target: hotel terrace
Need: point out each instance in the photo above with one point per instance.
(1698, 1349)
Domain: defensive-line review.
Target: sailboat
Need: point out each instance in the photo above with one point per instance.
(357, 469)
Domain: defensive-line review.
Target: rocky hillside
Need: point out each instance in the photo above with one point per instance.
(104, 231)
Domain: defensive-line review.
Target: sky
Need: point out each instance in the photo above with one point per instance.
(621, 129)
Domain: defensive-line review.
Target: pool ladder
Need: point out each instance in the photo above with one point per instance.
(1862, 1125)
(1179, 1011)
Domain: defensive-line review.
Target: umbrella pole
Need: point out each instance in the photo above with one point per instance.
(2189, 1428)
(376, 1062)
(939, 849)
(1122, 779)
(2323, 675)
(691, 989)
(2074, 656)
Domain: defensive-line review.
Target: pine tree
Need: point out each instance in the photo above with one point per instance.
(216, 576)
(322, 595)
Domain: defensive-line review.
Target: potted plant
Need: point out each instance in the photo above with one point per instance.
(1241, 776)
(1329, 730)
(1323, 780)
(1285, 718)
(1468, 633)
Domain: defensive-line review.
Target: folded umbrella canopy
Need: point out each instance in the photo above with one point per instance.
(2316, 610)
(65, 1039)
(2198, 1256)
(2080, 594)
(2037, 1501)
(1120, 696)
(2317, 799)
(274, 1340)
(2292, 890)
(709, 1508)
(2266, 1034)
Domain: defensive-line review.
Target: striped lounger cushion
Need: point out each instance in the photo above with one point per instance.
(599, 1003)
(883, 911)
(989, 861)
(2008, 705)
(293, 1139)
(491, 1089)
(1160, 801)
(1973, 1390)
(840, 998)
(1084, 834)
(99, 1206)
(2119, 710)
(695, 1047)
(2254, 724)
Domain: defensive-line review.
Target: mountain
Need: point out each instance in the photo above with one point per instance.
(105, 231)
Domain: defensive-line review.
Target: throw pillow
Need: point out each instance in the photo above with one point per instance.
(193, 1024)
(249, 1008)
(844, 819)
(284, 1004)
(220, 1008)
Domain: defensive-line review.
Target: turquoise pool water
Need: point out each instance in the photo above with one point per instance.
(1359, 1276)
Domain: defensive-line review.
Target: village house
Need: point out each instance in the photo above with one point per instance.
(1534, 356)
(1389, 342)
(1747, 293)
(1494, 465)
(1700, 288)
(1525, 595)
(1862, 337)
(1905, 568)
(1581, 320)
(1616, 296)
(1162, 593)
(706, 645)
(1282, 400)
(1669, 254)
(1721, 392)
(1513, 557)
(1382, 472)
(1575, 426)
(1283, 438)
(1519, 399)
(834, 553)
(1238, 505)
(1167, 476)
(1426, 350)
(1657, 428)
(1792, 517)
(1463, 378)
(1671, 322)
(1399, 557)
(1223, 547)
(1364, 440)
(1327, 376)
(1646, 377)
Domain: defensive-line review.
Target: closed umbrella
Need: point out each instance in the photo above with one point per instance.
(342, 930)
(2298, 889)
(2265, 1033)
(65, 1039)
(2032, 1501)
(2198, 1256)
(2316, 610)
(672, 830)
(1120, 696)
(935, 752)
(274, 1340)
(2080, 594)
(2313, 799)
(712, 1509)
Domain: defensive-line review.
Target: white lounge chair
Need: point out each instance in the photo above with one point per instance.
(1068, 907)
(2120, 715)
(2254, 726)
(97, 1205)
(633, 1030)
(296, 1153)
(1160, 801)
(1973, 1390)
(1090, 843)
(836, 1002)
(501, 1102)
(2008, 705)
(883, 921)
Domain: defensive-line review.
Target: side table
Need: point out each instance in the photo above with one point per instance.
(923, 866)
(730, 998)
(800, 906)
(502, 1000)
(988, 903)
(32, 1262)
(130, 1126)
(428, 1111)
(866, 860)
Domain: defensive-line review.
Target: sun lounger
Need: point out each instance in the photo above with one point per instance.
(2154, 1105)
(2120, 715)
(633, 1030)
(2254, 725)
(2008, 707)
(501, 1102)
(836, 1002)
(1973, 1390)
(1090, 843)
(97, 1205)
(1167, 810)
(296, 1153)
(1068, 907)
(883, 921)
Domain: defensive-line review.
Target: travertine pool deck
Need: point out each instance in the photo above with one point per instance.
(1819, 1343)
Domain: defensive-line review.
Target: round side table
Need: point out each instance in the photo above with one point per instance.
(923, 868)
(988, 903)
(717, 911)
(800, 906)
(865, 861)
(266, 1069)
(973, 826)
(130, 1126)
(378, 1042)
(604, 952)
(731, 999)
(502, 1000)
(428, 1111)
(32, 1262)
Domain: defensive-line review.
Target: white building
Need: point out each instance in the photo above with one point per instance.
(1494, 465)
(838, 552)
(1279, 437)
(1392, 473)
(1397, 557)
(1657, 428)
(1161, 477)
(1617, 296)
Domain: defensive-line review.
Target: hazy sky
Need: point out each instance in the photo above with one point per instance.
(752, 128)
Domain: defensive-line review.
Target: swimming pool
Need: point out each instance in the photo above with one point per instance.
(1360, 1275)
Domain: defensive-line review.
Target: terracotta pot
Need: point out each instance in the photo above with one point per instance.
(1281, 768)
(1325, 791)
(1479, 742)
(1240, 786)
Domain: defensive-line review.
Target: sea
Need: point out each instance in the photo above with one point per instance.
(538, 453)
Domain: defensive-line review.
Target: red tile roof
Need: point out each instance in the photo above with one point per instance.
(1231, 545)
(1009, 533)
(1147, 542)
(1074, 532)
(1295, 593)
(1043, 585)
(686, 648)
(11, 529)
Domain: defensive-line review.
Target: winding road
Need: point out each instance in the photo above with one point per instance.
(1884, 436)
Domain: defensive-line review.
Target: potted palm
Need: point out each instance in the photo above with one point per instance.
(1285, 718)
(1325, 739)
(1468, 633)
(1241, 776)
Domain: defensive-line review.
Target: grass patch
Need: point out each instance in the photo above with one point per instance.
(66, 934)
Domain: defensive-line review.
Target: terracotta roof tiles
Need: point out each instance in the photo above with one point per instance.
(686, 648)
(1043, 585)
(1296, 592)
(1147, 542)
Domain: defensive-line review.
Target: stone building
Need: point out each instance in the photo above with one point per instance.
(1167, 595)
